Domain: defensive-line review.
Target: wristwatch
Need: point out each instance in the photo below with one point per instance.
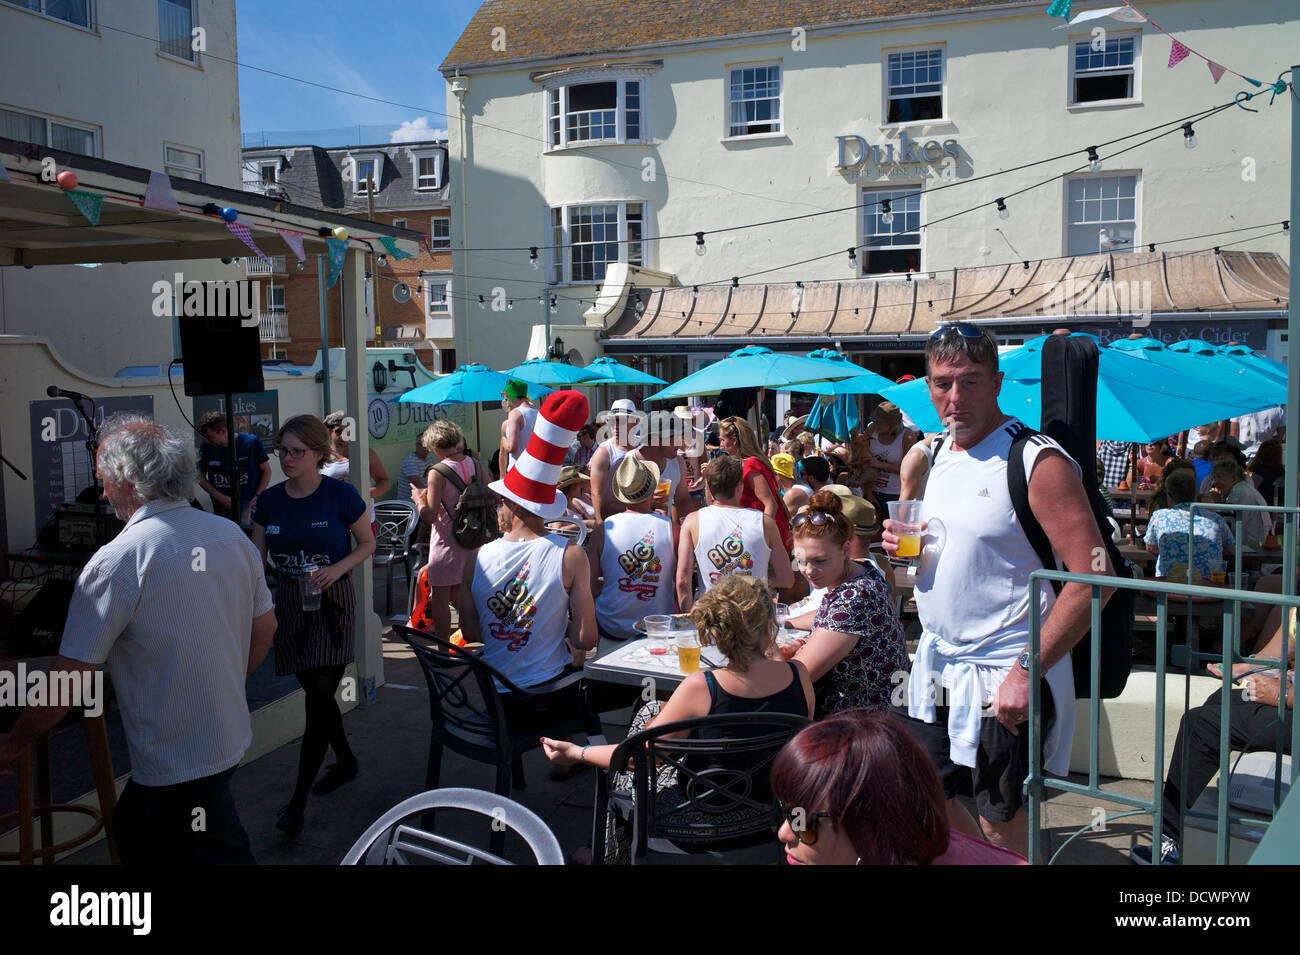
(1023, 661)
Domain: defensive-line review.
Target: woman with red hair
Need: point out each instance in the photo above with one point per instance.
(857, 789)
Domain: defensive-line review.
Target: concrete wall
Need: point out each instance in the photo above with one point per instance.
(1007, 82)
(137, 98)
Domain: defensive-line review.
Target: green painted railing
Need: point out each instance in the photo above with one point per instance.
(1037, 783)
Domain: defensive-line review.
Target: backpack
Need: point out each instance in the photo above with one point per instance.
(1069, 403)
(474, 522)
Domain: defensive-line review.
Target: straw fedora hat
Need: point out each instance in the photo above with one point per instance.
(569, 476)
(635, 479)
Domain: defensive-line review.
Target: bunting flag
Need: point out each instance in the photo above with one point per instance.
(1060, 8)
(158, 194)
(1177, 53)
(390, 245)
(88, 204)
(1215, 70)
(294, 241)
(245, 235)
(338, 250)
(1129, 14)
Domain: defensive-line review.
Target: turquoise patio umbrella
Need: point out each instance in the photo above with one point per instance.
(539, 371)
(1137, 401)
(466, 385)
(1245, 356)
(607, 371)
(757, 367)
(863, 382)
(1201, 359)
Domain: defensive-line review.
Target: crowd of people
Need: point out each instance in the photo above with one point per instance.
(674, 519)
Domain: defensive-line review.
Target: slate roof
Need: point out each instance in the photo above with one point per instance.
(313, 176)
(560, 29)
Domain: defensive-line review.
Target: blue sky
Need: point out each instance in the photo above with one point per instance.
(384, 48)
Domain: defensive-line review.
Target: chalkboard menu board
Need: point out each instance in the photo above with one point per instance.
(61, 464)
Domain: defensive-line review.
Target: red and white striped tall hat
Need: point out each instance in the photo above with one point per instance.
(532, 481)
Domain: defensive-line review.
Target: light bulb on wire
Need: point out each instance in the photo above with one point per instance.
(554, 305)
(886, 212)
(481, 303)
(700, 248)
(1094, 161)
(1003, 211)
(1189, 136)
(532, 258)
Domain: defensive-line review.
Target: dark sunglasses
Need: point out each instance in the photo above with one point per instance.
(964, 329)
(816, 518)
(802, 824)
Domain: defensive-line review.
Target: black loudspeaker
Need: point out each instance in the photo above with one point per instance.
(39, 627)
(221, 356)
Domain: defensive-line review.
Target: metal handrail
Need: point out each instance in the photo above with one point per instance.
(1037, 783)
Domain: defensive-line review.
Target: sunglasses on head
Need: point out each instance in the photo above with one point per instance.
(802, 824)
(816, 518)
(964, 329)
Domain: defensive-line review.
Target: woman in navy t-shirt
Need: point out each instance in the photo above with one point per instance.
(312, 519)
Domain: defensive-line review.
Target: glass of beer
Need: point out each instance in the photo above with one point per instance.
(907, 517)
(688, 651)
(308, 588)
(1218, 571)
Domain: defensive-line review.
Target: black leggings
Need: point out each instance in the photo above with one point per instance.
(324, 728)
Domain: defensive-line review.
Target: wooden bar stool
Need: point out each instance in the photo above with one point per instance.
(35, 788)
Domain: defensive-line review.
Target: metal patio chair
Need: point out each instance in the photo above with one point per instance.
(396, 522)
(390, 840)
(722, 806)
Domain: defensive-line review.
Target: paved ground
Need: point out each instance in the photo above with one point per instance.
(391, 741)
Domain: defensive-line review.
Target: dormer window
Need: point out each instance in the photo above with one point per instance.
(596, 109)
(428, 170)
(365, 168)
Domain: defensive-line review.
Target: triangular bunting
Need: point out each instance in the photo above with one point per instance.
(1250, 81)
(87, 203)
(1177, 53)
(158, 194)
(1095, 15)
(1060, 8)
(245, 235)
(390, 245)
(338, 250)
(1129, 14)
(294, 241)
(1215, 70)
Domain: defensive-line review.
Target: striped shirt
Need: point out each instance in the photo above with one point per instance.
(412, 473)
(169, 604)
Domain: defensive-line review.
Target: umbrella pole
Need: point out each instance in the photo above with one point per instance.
(1133, 494)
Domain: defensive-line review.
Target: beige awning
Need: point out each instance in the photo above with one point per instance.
(1106, 288)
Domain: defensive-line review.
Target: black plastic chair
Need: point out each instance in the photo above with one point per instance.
(490, 726)
(726, 806)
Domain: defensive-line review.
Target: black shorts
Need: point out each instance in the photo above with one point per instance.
(1001, 762)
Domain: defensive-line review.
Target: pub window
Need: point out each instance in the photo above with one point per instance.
(914, 84)
(1104, 70)
(891, 237)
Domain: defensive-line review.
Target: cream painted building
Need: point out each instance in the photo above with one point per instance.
(590, 132)
(150, 83)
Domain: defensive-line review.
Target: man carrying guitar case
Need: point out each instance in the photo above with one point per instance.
(968, 693)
